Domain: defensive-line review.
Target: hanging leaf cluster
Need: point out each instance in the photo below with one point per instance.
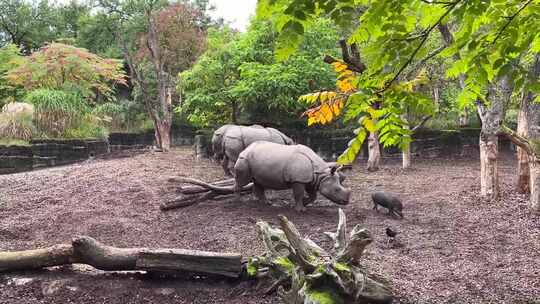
(491, 39)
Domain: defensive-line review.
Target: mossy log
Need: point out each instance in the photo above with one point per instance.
(312, 274)
(86, 250)
(199, 191)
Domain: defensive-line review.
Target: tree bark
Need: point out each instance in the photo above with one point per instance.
(374, 152)
(492, 117)
(535, 185)
(523, 174)
(406, 156)
(489, 184)
(224, 264)
(406, 151)
(528, 121)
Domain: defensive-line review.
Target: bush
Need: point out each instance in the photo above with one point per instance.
(56, 111)
(16, 125)
(88, 127)
(124, 116)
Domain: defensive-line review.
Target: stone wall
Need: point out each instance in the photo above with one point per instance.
(329, 144)
(123, 141)
(49, 152)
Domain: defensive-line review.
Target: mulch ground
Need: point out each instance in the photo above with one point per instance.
(455, 247)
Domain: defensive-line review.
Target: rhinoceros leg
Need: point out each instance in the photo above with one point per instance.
(225, 166)
(312, 195)
(298, 193)
(258, 191)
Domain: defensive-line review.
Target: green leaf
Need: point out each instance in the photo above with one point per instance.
(354, 147)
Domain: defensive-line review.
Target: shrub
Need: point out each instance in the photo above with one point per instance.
(123, 116)
(16, 125)
(56, 111)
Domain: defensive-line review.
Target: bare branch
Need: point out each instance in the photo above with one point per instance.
(430, 29)
(518, 140)
(510, 20)
(438, 2)
(424, 120)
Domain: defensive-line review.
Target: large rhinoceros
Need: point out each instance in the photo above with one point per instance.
(278, 167)
(230, 140)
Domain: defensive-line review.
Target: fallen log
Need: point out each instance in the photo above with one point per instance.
(200, 191)
(86, 250)
(224, 264)
(186, 201)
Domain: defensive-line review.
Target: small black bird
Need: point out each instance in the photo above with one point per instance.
(391, 234)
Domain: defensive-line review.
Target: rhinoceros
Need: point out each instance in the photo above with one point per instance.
(229, 140)
(217, 141)
(278, 167)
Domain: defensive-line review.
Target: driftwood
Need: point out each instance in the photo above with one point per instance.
(86, 250)
(313, 275)
(199, 191)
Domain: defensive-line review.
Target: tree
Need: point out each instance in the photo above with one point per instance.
(10, 58)
(166, 38)
(239, 79)
(31, 24)
(65, 67)
(490, 38)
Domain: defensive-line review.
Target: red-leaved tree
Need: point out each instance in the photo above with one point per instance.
(174, 38)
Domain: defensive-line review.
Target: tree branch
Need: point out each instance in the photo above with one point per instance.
(424, 120)
(510, 20)
(352, 59)
(428, 32)
(438, 2)
(518, 140)
(425, 59)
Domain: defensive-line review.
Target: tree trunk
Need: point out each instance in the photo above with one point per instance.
(522, 156)
(234, 111)
(436, 96)
(464, 119)
(535, 185)
(406, 156)
(492, 117)
(164, 128)
(374, 152)
(489, 185)
(528, 120)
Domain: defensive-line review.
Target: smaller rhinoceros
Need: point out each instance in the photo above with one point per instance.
(279, 167)
(389, 201)
(232, 139)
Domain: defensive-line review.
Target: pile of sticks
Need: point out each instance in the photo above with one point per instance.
(195, 191)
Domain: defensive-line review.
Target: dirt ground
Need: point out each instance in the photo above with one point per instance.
(456, 248)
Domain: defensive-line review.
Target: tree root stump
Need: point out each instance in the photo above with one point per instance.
(313, 275)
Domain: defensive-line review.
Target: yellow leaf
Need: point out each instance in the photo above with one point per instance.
(339, 66)
(369, 124)
(323, 96)
(311, 121)
(346, 74)
(332, 95)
